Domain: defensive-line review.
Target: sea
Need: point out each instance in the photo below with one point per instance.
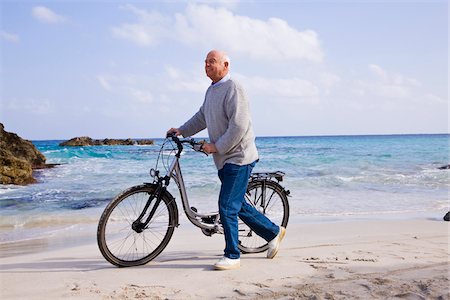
(330, 178)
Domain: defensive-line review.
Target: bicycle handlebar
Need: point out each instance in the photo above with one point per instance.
(197, 146)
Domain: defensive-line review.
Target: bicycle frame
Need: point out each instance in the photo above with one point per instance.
(194, 217)
(208, 222)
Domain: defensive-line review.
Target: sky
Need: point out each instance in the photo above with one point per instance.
(120, 69)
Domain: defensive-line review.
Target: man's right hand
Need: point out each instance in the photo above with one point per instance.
(172, 131)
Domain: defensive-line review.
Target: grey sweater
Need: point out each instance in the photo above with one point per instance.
(225, 112)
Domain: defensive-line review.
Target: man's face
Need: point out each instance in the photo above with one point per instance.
(215, 67)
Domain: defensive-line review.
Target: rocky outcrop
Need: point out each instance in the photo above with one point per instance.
(446, 167)
(18, 158)
(79, 141)
(87, 141)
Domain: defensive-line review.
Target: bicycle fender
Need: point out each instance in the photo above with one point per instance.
(172, 202)
(276, 183)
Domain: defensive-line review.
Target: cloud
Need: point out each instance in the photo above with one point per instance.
(150, 29)
(386, 84)
(46, 15)
(186, 81)
(142, 96)
(10, 37)
(391, 78)
(272, 39)
(148, 89)
(329, 81)
(433, 98)
(297, 89)
(230, 4)
(127, 87)
(33, 106)
(104, 82)
(378, 72)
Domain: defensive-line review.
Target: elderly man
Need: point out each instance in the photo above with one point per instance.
(225, 113)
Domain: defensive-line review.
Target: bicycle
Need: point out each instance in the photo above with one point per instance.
(138, 224)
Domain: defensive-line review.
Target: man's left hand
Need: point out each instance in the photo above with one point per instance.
(209, 148)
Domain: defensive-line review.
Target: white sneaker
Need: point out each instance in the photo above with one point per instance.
(274, 245)
(226, 263)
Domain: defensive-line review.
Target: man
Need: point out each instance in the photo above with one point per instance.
(225, 113)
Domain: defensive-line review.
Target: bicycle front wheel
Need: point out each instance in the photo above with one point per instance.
(269, 198)
(124, 246)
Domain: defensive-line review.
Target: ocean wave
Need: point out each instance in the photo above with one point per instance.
(53, 200)
(43, 220)
(324, 174)
(8, 188)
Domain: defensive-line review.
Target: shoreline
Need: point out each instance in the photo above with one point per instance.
(375, 259)
(81, 233)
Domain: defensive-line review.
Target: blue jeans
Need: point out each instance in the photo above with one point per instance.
(232, 204)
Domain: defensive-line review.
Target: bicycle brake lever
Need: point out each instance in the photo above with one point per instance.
(199, 147)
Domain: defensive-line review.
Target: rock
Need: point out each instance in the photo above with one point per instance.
(87, 141)
(113, 142)
(21, 148)
(14, 170)
(446, 167)
(78, 141)
(18, 158)
(145, 142)
(447, 217)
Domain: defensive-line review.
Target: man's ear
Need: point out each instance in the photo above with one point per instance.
(226, 64)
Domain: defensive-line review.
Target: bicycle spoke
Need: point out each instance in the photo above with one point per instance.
(268, 201)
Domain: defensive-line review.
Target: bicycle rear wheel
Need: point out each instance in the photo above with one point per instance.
(269, 198)
(123, 246)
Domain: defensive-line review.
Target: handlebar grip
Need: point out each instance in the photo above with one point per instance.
(174, 137)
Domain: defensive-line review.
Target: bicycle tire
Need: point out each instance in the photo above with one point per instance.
(276, 209)
(119, 243)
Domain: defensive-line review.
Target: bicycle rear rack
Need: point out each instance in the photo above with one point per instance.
(278, 175)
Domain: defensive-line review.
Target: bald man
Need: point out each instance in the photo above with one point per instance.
(225, 114)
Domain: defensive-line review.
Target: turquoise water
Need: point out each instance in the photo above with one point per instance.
(337, 176)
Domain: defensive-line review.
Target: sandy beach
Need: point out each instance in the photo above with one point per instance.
(373, 259)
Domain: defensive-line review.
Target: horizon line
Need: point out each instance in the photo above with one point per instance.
(272, 136)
